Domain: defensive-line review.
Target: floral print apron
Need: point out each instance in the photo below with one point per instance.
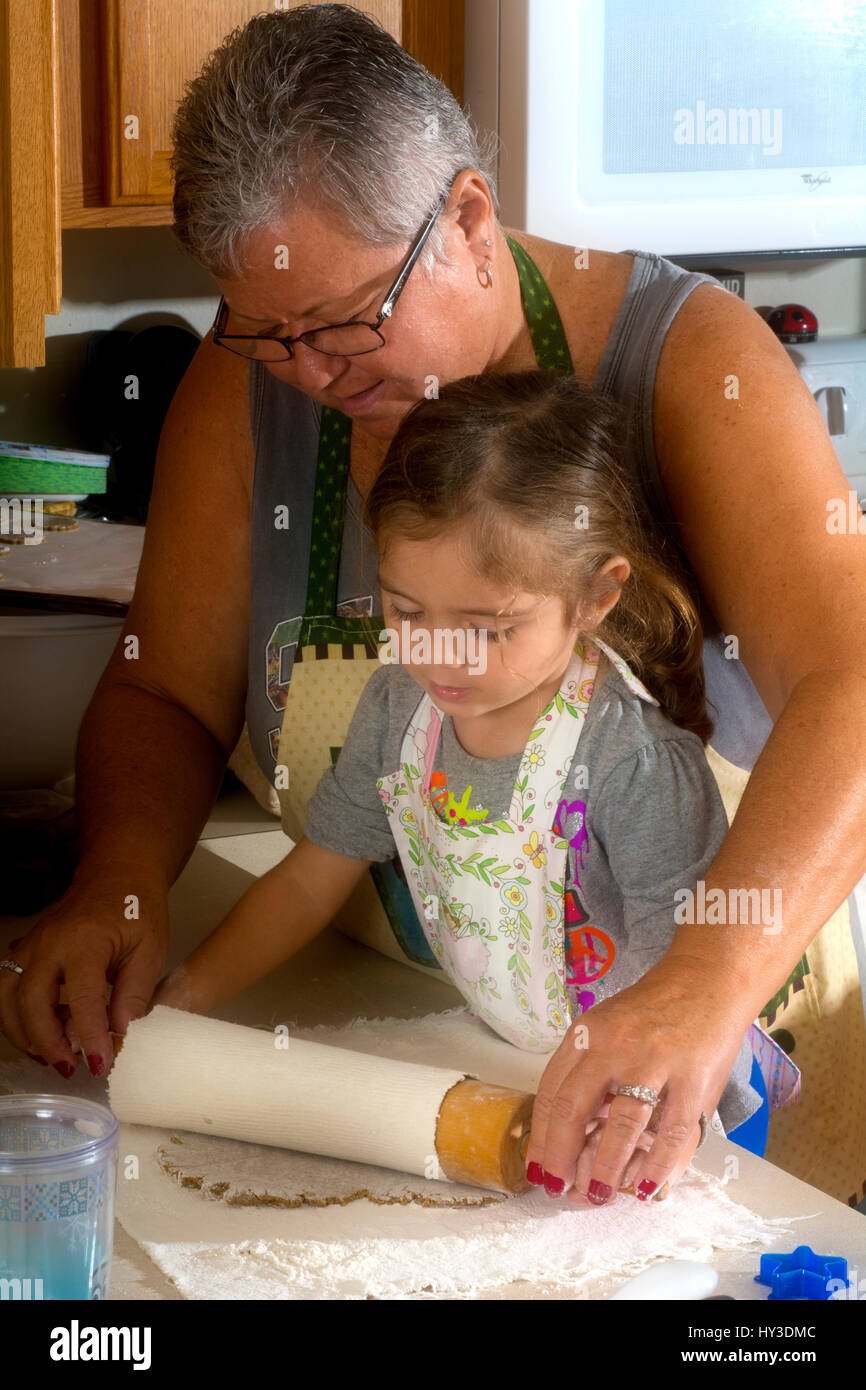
(490, 895)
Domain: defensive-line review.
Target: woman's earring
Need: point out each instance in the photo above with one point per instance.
(488, 242)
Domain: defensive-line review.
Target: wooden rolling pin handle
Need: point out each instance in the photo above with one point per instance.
(481, 1135)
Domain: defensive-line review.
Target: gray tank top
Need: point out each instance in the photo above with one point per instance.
(285, 431)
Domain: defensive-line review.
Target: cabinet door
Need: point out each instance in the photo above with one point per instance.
(29, 202)
(152, 47)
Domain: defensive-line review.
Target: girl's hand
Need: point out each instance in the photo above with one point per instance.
(578, 1195)
(663, 1032)
(181, 990)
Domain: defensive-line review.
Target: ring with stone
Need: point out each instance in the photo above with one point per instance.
(644, 1093)
(11, 965)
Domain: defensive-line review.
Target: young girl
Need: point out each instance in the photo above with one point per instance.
(550, 809)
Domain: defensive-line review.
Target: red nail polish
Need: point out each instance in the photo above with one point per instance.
(646, 1189)
(599, 1192)
(535, 1174)
(65, 1069)
(96, 1064)
(554, 1187)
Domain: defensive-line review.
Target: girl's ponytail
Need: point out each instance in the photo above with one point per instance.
(531, 466)
(655, 627)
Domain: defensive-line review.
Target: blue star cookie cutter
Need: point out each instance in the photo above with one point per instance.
(801, 1275)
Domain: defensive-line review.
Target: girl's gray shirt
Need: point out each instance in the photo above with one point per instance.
(654, 821)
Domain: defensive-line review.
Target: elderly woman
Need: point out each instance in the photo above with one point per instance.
(338, 195)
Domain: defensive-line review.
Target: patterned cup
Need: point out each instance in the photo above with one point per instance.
(58, 1168)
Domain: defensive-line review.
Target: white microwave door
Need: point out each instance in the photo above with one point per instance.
(684, 128)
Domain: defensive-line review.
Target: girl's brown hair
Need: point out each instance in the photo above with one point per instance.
(519, 461)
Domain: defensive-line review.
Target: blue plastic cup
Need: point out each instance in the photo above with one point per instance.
(58, 1170)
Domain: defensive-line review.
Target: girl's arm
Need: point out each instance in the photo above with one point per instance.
(288, 906)
(277, 916)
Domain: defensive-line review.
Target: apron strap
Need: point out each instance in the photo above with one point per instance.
(542, 315)
(329, 506)
(781, 1076)
(434, 728)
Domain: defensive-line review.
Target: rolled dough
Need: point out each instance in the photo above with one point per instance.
(252, 1175)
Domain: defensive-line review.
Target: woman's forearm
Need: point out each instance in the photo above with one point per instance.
(799, 836)
(147, 774)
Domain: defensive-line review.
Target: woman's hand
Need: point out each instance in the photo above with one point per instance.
(663, 1032)
(82, 941)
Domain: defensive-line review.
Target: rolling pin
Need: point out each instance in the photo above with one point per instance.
(479, 1130)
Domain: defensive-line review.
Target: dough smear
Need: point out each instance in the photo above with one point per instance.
(258, 1175)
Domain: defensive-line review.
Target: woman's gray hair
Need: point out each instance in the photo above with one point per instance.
(319, 105)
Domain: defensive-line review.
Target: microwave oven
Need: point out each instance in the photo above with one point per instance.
(691, 130)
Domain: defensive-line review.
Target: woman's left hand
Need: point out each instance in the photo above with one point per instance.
(668, 1031)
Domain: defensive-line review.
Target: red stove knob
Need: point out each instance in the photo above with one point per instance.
(793, 323)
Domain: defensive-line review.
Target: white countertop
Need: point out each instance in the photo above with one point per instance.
(98, 560)
(334, 980)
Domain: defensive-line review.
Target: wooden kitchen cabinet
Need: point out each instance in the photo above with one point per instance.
(29, 188)
(75, 72)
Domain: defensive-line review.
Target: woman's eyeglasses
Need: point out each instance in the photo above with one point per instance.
(350, 339)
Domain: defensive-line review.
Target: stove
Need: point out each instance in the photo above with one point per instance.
(834, 369)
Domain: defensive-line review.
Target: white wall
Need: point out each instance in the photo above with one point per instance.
(113, 277)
